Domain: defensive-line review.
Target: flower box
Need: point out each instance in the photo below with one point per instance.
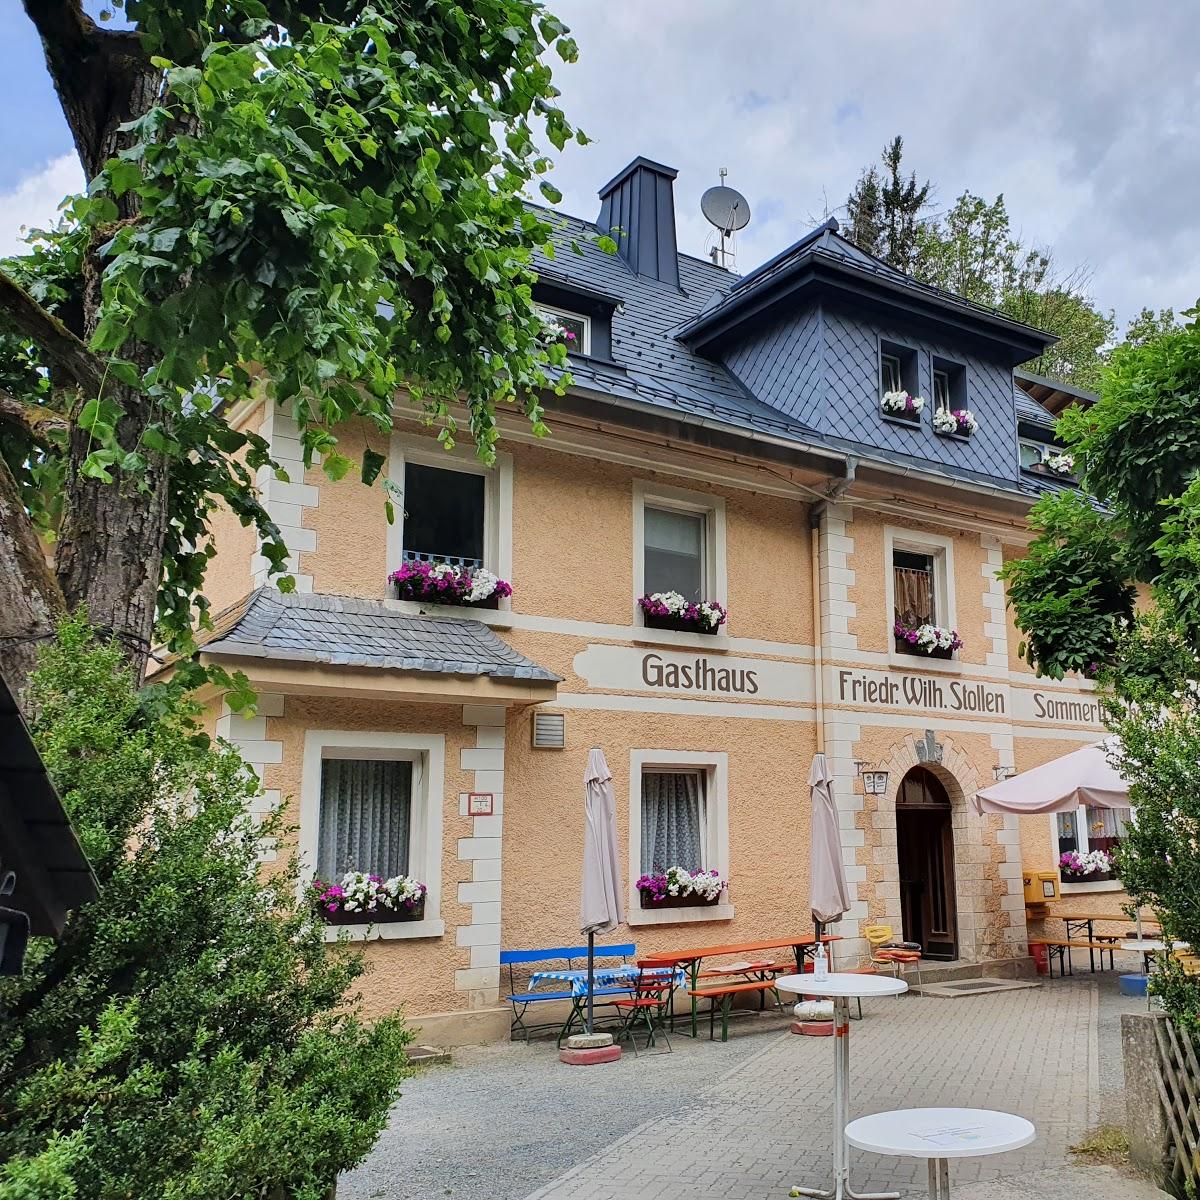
(692, 901)
(900, 406)
(1084, 877)
(1096, 866)
(448, 583)
(958, 422)
(670, 610)
(903, 647)
(682, 624)
(381, 916)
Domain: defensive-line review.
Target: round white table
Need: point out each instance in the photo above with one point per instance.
(841, 988)
(938, 1135)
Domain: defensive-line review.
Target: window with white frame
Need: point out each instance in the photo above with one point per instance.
(372, 801)
(919, 585)
(1087, 829)
(674, 820)
(1032, 453)
(366, 817)
(449, 507)
(941, 390)
(949, 385)
(575, 328)
(897, 368)
(678, 815)
(679, 543)
(889, 373)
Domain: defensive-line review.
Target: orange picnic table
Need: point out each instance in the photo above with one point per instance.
(691, 958)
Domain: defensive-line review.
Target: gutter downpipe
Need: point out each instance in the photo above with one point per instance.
(833, 493)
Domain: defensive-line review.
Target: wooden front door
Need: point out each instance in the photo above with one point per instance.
(925, 848)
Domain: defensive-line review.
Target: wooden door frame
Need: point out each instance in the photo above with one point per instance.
(932, 799)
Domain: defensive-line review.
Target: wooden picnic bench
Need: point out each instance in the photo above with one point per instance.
(691, 958)
(1061, 948)
(725, 993)
(1083, 926)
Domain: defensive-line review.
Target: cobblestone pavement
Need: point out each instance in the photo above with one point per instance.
(744, 1121)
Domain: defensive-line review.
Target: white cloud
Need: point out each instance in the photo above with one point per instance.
(33, 203)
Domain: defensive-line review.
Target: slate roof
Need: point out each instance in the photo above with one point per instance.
(1031, 412)
(341, 631)
(651, 366)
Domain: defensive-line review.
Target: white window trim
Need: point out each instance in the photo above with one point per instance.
(1082, 839)
(427, 752)
(886, 355)
(949, 403)
(941, 549)
(497, 500)
(646, 492)
(715, 765)
(586, 342)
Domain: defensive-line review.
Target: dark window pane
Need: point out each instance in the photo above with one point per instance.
(890, 374)
(675, 553)
(941, 390)
(443, 515)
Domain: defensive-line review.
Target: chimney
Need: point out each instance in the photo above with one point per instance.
(637, 207)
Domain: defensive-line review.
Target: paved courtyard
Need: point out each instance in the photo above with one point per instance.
(744, 1121)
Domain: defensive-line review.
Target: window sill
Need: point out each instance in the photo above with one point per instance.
(497, 618)
(893, 420)
(431, 927)
(1104, 885)
(679, 637)
(946, 666)
(678, 916)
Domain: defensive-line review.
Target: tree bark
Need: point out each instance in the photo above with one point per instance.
(30, 599)
(110, 549)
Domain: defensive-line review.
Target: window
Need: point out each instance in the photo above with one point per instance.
(678, 544)
(1087, 829)
(675, 552)
(918, 587)
(897, 369)
(1031, 454)
(678, 816)
(914, 589)
(674, 821)
(949, 385)
(576, 328)
(373, 801)
(889, 367)
(366, 817)
(443, 515)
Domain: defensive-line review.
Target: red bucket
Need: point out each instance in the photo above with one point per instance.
(1041, 958)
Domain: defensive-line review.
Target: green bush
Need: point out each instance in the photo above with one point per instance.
(191, 1036)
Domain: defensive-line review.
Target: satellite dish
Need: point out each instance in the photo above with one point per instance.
(725, 208)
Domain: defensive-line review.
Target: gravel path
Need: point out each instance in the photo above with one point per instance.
(504, 1119)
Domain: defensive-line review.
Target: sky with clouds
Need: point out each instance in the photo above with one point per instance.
(1084, 113)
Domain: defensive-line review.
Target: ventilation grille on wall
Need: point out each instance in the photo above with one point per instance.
(549, 731)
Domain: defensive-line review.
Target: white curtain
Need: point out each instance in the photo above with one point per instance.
(366, 808)
(674, 821)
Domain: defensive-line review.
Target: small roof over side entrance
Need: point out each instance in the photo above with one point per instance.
(296, 631)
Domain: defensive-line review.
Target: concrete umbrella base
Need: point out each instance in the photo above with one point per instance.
(813, 1028)
(588, 1049)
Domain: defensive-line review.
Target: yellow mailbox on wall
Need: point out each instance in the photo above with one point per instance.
(1040, 886)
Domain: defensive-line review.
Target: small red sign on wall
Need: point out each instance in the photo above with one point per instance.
(479, 804)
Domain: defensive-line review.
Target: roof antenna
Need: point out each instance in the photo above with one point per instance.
(729, 211)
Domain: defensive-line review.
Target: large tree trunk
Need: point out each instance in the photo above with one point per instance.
(109, 553)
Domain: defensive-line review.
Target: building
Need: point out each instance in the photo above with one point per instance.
(724, 437)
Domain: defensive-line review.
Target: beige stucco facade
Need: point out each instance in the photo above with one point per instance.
(827, 675)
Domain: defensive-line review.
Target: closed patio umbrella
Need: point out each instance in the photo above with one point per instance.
(830, 894)
(1083, 777)
(600, 908)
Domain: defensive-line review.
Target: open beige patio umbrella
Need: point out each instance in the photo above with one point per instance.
(830, 894)
(1083, 777)
(600, 908)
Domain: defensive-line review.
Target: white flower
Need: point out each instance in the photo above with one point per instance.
(483, 584)
(901, 403)
(959, 420)
(1060, 464)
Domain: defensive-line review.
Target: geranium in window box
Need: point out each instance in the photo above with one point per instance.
(669, 610)
(1095, 866)
(447, 583)
(957, 422)
(933, 641)
(677, 887)
(900, 406)
(360, 898)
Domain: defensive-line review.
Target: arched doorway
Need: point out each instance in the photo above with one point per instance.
(925, 850)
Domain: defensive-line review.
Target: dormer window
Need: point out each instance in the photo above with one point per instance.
(941, 390)
(889, 367)
(576, 329)
(949, 386)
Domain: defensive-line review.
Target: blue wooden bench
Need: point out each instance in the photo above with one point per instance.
(565, 958)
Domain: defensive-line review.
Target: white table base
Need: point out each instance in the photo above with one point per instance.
(841, 1189)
